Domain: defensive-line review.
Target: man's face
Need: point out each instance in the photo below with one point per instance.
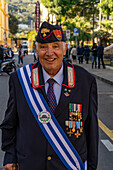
(51, 56)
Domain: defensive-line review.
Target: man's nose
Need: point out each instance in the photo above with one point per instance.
(49, 51)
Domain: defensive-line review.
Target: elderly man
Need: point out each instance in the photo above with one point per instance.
(51, 118)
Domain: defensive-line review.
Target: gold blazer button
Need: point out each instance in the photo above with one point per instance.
(49, 158)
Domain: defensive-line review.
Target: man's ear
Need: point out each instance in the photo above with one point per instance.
(65, 49)
(36, 51)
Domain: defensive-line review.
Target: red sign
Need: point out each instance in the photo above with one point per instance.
(37, 16)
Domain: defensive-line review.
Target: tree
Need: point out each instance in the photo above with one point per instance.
(105, 31)
(13, 24)
(83, 25)
(91, 13)
(67, 10)
(61, 8)
(32, 35)
(106, 7)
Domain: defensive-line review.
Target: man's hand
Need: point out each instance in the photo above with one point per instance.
(11, 166)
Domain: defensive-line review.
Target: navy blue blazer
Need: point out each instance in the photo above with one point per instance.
(24, 142)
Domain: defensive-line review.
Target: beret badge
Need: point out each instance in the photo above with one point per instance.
(44, 31)
(58, 34)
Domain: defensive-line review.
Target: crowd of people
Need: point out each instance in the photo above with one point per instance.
(80, 53)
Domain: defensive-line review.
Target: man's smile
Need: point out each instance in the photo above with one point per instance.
(50, 59)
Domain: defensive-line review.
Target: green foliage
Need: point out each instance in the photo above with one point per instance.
(32, 35)
(83, 25)
(105, 32)
(69, 13)
(22, 9)
(13, 24)
(106, 7)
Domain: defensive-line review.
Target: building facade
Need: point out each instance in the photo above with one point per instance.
(4, 23)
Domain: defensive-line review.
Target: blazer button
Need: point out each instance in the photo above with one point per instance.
(49, 158)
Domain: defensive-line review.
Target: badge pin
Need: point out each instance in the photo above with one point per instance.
(44, 117)
(44, 31)
(66, 94)
(58, 34)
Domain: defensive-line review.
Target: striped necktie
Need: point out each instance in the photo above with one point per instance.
(51, 96)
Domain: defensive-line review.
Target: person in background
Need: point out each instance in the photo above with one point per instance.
(20, 55)
(6, 54)
(51, 118)
(73, 53)
(94, 55)
(68, 51)
(100, 53)
(86, 53)
(80, 51)
(11, 53)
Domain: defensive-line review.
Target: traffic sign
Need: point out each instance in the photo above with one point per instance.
(68, 34)
(75, 32)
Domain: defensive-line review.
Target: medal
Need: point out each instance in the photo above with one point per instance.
(44, 117)
(74, 125)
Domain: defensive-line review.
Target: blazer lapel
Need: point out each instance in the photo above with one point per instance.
(66, 92)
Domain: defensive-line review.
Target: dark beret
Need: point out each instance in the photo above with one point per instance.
(50, 33)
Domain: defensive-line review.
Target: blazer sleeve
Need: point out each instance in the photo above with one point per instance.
(9, 126)
(92, 129)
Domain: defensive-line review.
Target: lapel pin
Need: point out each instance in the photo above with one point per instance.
(66, 94)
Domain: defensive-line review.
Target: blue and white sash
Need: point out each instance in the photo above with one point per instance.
(52, 130)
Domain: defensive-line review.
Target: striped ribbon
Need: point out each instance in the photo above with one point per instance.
(52, 130)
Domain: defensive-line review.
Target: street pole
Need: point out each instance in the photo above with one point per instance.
(76, 48)
(76, 40)
(68, 48)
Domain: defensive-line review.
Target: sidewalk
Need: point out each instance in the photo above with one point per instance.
(105, 75)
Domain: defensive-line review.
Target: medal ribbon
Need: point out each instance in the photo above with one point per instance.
(52, 130)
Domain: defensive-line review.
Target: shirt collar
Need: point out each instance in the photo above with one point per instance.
(58, 77)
